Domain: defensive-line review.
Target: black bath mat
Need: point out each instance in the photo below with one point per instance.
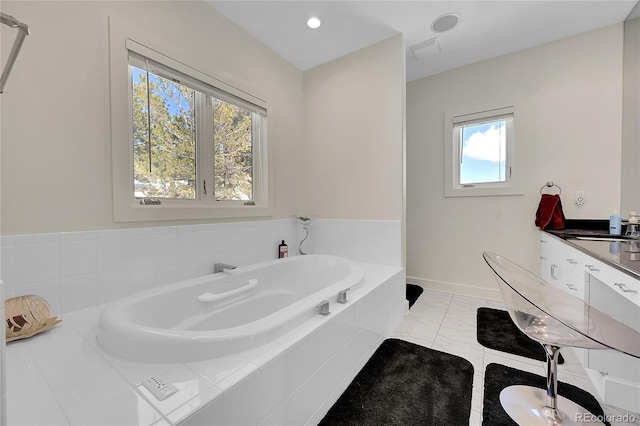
(413, 292)
(496, 331)
(406, 384)
(498, 377)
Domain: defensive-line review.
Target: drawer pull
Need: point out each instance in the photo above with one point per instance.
(624, 289)
(554, 268)
(573, 262)
(592, 268)
(571, 286)
(543, 258)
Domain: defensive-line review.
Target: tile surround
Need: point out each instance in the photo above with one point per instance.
(81, 384)
(77, 270)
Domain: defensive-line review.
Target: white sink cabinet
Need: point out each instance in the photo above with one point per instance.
(616, 376)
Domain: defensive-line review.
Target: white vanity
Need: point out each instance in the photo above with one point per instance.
(603, 274)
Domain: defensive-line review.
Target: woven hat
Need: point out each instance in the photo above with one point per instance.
(26, 316)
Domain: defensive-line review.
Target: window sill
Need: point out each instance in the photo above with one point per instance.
(483, 191)
(140, 213)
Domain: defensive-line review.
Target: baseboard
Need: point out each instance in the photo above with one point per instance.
(457, 288)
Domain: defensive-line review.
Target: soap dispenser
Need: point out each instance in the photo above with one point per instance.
(615, 223)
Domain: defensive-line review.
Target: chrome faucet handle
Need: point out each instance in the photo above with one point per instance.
(323, 308)
(342, 296)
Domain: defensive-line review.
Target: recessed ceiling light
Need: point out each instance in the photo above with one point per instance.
(313, 22)
(444, 23)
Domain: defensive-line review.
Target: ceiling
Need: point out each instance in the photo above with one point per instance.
(486, 29)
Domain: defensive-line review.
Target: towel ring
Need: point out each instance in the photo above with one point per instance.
(550, 184)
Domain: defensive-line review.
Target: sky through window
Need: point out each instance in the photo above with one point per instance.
(483, 152)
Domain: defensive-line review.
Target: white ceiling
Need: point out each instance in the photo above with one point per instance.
(486, 29)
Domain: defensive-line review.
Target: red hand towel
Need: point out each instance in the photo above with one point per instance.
(549, 214)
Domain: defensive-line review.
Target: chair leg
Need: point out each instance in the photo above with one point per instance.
(551, 408)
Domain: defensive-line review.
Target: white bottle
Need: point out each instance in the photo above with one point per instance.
(615, 223)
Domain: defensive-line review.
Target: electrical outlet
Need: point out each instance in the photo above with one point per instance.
(579, 198)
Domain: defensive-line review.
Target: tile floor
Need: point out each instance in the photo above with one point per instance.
(447, 323)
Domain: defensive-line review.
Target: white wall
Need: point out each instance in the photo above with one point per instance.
(354, 128)
(56, 169)
(630, 192)
(568, 96)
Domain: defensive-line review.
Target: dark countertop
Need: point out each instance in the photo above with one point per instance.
(622, 255)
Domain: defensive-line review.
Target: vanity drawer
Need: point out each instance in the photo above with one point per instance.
(562, 266)
(615, 363)
(574, 284)
(626, 285)
(551, 267)
(597, 269)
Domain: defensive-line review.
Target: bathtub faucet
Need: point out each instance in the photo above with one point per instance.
(222, 267)
(323, 308)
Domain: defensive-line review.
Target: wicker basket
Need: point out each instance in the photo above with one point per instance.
(26, 316)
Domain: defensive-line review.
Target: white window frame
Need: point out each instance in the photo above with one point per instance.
(125, 39)
(514, 179)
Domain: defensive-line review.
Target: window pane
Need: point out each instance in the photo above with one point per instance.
(233, 152)
(483, 152)
(164, 140)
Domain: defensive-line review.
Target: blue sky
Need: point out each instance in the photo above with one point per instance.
(483, 153)
(172, 106)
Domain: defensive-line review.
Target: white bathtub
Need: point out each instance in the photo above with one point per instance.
(224, 313)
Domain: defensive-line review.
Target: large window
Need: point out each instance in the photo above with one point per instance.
(481, 156)
(177, 124)
(195, 146)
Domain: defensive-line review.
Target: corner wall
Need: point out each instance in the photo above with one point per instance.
(568, 96)
(354, 133)
(630, 122)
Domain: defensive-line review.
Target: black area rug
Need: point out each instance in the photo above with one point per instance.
(413, 292)
(498, 377)
(406, 384)
(496, 331)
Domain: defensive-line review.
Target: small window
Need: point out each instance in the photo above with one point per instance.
(481, 154)
(185, 145)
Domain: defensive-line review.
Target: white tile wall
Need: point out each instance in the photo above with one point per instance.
(76, 270)
(371, 241)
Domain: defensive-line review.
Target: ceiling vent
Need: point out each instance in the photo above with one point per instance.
(426, 48)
